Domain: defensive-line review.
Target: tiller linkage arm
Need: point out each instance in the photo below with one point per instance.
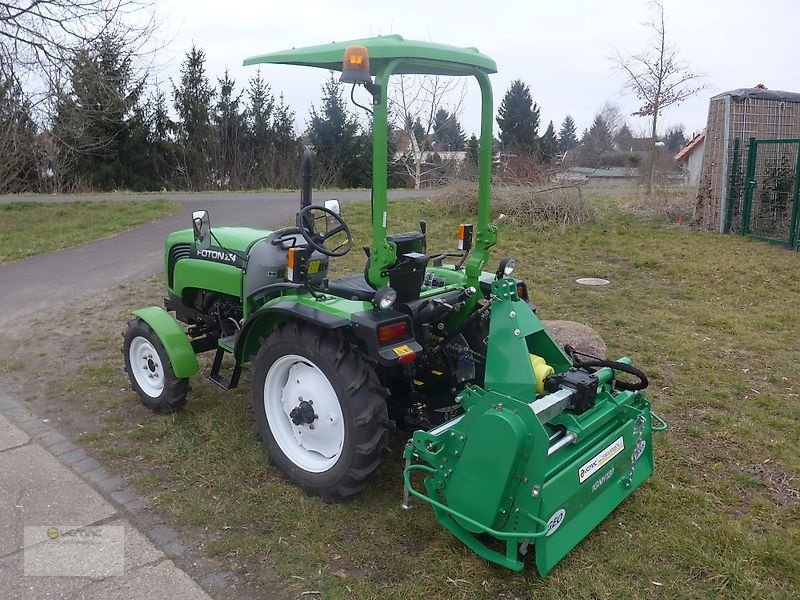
(542, 454)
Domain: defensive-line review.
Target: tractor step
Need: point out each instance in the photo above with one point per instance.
(225, 346)
(227, 343)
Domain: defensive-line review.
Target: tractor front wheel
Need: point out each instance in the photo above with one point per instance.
(320, 410)
(150, 371)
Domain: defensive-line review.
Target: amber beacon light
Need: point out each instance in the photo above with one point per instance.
(355, 66)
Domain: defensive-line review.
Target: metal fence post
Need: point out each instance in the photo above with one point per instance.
(749, 184)
(793, 233)
(734, 191)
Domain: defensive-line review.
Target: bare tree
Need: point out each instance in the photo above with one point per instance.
(41, 36)
(611, 114)
(415, 100)
(658, 78)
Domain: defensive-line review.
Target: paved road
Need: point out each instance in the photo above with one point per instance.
(41, 281)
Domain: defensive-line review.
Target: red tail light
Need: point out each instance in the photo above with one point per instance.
(392, 331)
(522, 290)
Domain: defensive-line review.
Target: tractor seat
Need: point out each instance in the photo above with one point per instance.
(352, 287)
(355, 287)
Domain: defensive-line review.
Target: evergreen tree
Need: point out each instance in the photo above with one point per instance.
(92, 118)
(624, 138)
(285, 146)
(597, 140)
(161, 145)
(674, 139)
(518, 119)
(258, 136)
(473, 151)
(414, 126)
(337, 139)
(447, 132)
(567, 140)
(19, 157)
(228, 125)
(192, 100)
(548, 145)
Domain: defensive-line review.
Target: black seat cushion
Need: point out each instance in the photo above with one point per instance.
(352, 287)
(410, 241)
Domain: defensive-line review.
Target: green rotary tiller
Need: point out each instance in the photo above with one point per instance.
(543, 452)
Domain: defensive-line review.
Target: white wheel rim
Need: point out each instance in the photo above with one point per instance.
(146, 366)
(315, 446)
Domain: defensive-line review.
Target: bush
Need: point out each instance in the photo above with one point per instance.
(522, 204)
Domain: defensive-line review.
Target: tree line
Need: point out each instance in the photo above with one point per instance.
(608, 142)
(103, 125)
(109, 130)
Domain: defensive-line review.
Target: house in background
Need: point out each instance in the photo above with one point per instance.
(690, 159)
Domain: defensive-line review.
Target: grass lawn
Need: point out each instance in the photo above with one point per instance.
(712, 319)
(28, 228)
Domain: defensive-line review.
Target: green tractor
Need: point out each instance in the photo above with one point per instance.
(522, 444)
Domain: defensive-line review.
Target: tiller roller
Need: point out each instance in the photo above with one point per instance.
(542, 453)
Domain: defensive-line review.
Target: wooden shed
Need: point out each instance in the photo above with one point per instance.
(734, 119)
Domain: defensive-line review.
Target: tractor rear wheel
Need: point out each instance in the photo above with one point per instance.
(150, 371)
(320, 410)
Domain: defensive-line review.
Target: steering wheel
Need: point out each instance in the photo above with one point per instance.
(317, 240)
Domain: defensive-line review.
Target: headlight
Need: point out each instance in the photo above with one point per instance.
(507, 266)
(384, 298)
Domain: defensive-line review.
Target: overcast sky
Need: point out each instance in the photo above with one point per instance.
(560, 48)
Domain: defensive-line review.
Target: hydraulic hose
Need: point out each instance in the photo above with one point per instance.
(594, 361)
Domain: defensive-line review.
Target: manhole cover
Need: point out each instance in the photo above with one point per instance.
(592, 281)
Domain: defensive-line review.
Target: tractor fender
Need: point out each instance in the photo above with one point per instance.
(176, 343)
(261, 324)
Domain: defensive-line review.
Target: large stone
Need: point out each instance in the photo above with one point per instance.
(579, 336)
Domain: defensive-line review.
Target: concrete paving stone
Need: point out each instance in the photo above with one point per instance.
(16, 411)
(138, 551)
(162, 535)
(35, 425)
(75, 456)
(14, 585)
(111, 484)
(88, 464)
(174, 549)
(135, 504)
(62, 448)
(163, 580)
(37, 490)
(97, 475)
(11, 436)
(51, 438)
(124, 495)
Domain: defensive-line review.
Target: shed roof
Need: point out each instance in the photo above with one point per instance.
(416, 57)
(762, 93)
(690, 147)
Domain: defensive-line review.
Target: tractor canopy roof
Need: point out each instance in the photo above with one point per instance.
(415, 57)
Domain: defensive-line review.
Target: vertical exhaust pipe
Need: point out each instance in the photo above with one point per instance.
(305, 179)
(306, 176)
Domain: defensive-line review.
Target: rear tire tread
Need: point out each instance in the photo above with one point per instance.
(360, 395)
